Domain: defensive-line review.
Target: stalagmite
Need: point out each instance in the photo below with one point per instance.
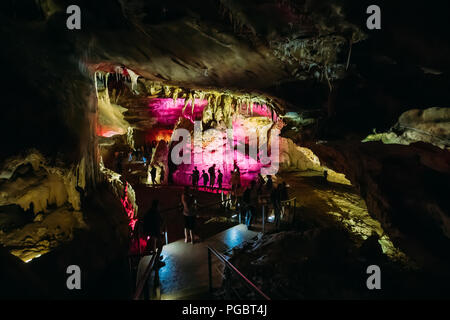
(130, 139)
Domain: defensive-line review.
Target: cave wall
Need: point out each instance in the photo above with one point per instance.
(50, 113)
(405, 188)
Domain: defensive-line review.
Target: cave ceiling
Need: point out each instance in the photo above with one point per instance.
(240, 48)
(227, 44)
(296, 54)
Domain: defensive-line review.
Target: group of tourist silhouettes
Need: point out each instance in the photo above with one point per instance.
(249, 200)
(246, 201)
(142, 154)
(209, 178)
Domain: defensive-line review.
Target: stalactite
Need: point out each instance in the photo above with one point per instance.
(216, 101)
(133, 77)
(193, 103)
(186, 102)
(166, 91)
(95, 83)
(175, 95)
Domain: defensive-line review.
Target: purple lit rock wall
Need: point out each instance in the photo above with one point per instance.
(167, 111)
(214, 149)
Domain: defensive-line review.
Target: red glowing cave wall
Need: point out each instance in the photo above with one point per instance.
(157, 135)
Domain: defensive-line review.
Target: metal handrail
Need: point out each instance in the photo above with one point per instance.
(201, 206)
(234, 269)
(284, 201)
(148, 270)
(198, 206)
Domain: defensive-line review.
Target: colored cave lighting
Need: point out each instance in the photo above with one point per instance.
(107, 132)
(257, 110)
(158, 134)
(128, 208)
(211, 154)
(249, 169)
(167, 110)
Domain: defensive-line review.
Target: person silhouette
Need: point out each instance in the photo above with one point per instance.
(152, 227)
(220, 179)
(188, 202)
(269, 183)
(212, 175)
(153, 174)
(195, 177)
(205, 178)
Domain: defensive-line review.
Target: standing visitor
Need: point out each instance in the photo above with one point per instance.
(152, 227)
(189, 214)
(240, 205)
(205, 178)
(153, 174)
(162, 175)
(212, 175)
(220, 179)
(235, 180)
(250, 203)
(276, 204)
(261, 182)
(284, 196)
(254, 199)
(269, 183)
(236, 168)
(195, 177)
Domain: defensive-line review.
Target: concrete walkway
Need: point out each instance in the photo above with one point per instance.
(185, 275)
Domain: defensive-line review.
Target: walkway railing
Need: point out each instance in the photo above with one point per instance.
(143, 285)
(229, 270)
(198, 208)
(289, 210)
(287, 214)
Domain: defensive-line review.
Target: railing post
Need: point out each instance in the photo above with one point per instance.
(210, 271)
(227, 273)
(146, 290)
(156, 285)
(263, 220)
(295, 209)
(139, 240)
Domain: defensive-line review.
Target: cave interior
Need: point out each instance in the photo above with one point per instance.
(355, 122)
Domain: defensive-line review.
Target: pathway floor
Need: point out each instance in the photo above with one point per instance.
(185, 275)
